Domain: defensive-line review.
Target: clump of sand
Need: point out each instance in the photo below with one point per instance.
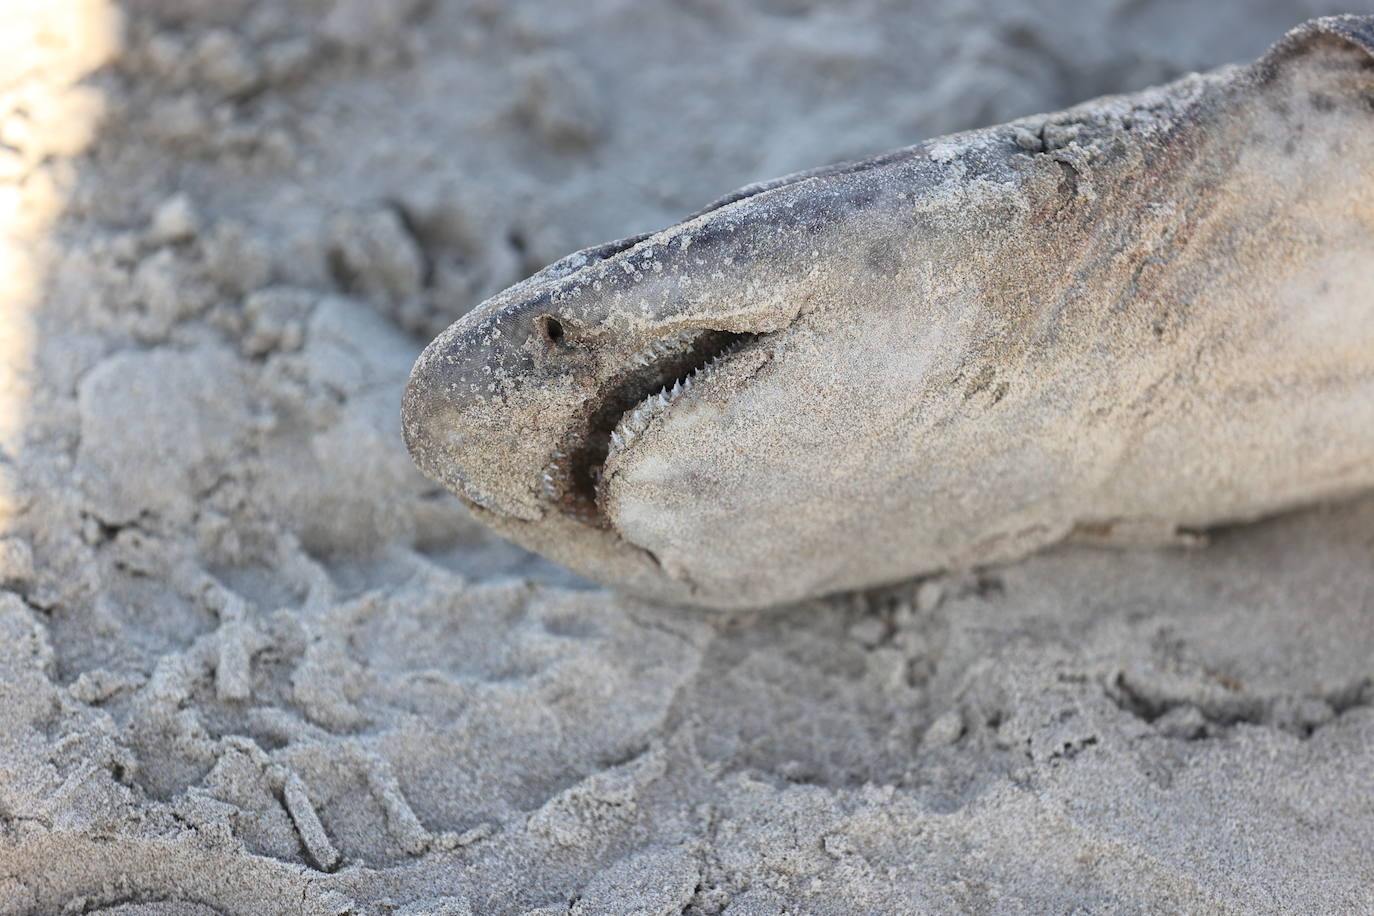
(251, 661)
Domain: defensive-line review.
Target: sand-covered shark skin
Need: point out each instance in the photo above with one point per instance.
(1151, 311)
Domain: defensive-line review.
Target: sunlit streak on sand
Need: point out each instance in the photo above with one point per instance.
(47, 47)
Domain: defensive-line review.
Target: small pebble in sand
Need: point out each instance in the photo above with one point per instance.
(16, 563)
(928, 596)
(944, 731)
(175, 220)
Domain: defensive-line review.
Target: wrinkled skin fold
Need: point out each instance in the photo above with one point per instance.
(1148, 313)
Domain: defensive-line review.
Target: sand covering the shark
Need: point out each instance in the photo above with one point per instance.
(251, 661)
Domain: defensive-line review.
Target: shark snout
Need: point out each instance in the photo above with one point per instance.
(432, 426)
(457, 437)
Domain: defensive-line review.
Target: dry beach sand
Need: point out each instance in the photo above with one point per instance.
(252, 662)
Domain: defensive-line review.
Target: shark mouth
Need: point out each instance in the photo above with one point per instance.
(633, 397)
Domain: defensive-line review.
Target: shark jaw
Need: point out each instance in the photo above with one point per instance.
(634, 397)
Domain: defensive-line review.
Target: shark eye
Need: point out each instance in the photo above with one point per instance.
(551, 328)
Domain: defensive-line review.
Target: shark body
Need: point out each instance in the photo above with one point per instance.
(1148, 312)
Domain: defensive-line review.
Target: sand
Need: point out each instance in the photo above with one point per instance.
(252, 662)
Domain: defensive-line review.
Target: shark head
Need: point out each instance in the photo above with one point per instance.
(520, 406)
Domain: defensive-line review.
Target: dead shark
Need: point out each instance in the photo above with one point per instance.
(1148, 313)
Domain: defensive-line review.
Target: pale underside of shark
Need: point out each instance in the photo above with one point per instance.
(1149, 313)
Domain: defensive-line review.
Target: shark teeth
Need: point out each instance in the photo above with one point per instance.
(559, 486)
(657, 349)
(572, 480)
(636, 421)
(555, 478)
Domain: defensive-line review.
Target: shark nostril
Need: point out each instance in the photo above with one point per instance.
(551, 328)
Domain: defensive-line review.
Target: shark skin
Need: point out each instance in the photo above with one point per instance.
(1149, 312)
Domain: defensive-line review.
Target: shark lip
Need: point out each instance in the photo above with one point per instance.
(642, 390)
